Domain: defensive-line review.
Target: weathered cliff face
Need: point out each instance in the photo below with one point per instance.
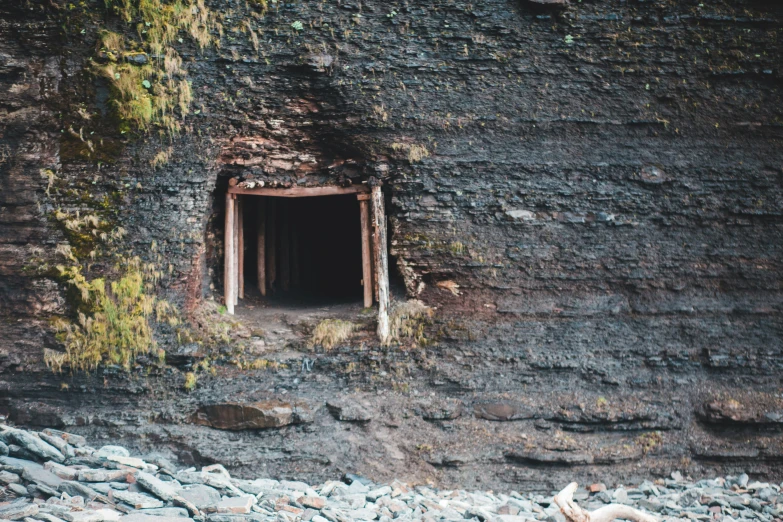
(603, 182)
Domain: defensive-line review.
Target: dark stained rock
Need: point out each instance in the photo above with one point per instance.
(504, 411)
(438, 410)
(556, 458)
(249, 416)
(732, 411)
(547, 4)
(348, 410)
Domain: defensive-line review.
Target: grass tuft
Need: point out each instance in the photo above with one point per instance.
(408, 320)
(331, 332)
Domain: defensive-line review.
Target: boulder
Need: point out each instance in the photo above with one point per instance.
(249, 416)
(35, 445)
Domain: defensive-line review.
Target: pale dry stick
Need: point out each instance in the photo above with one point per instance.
(574, 513)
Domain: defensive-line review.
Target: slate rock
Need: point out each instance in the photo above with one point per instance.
(144, 517)
(58, 443)
(102, 475)
(164, 491)
(74, 440)
(312, 502)
(18, 510)
(200, 495)
(173, 512)
(112, 451)
(137, 500)
(35, 445)
(97, 515)
(61, 471)
(6, 477)
(235, 505)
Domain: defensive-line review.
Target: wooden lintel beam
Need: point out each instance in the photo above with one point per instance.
(300, 192)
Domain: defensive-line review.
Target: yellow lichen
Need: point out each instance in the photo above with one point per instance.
(115, 326)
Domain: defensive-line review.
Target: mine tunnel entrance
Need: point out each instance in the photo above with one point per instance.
(312, 248)
(308, 246)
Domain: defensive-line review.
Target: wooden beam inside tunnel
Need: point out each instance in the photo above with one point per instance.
(261, 246)
(271, 245)
(241, 248)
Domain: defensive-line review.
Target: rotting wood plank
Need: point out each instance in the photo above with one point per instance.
(382, 266)
(228, 247)
(367, 283)
(271, 246)
(299, 192)
(261, 248)
(241, 247)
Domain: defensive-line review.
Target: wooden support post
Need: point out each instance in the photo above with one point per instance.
(382, 265)
(241, 246)
(285, 246)
(364, 217)
(376, 246)
(295, 275)
(261, 248)
(235, 265)
(228, 261)
(271, 245)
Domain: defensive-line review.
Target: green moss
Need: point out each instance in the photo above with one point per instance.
(117, 325)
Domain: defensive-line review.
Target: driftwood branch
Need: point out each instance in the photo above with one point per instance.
(574, 513)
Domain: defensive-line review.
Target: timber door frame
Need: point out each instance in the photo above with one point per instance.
(375, 259)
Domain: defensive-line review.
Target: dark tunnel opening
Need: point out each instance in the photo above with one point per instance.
(313, 252)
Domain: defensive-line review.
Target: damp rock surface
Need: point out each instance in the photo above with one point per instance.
(588, 194)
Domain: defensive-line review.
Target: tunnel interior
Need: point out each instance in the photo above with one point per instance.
(312, 248)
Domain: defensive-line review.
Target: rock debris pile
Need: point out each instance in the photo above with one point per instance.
(53, 476)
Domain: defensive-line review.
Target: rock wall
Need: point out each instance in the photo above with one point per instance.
(589, 195)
